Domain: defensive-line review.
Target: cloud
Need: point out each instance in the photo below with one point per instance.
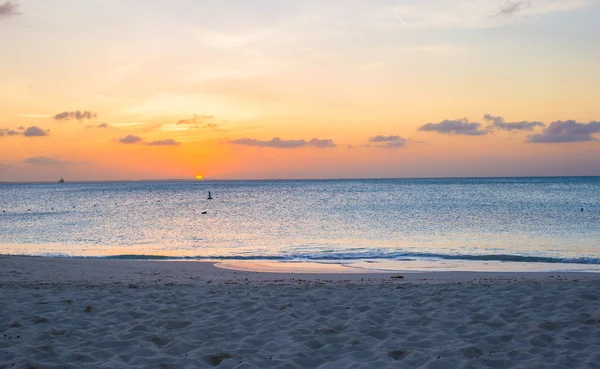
(284, 144)
(455, 127)
(8, 9)
(477, 14)
(199, 121)
(9, 132)
(391, 142)
(76, 115)
(196, 119)
(512, 7)
(35, 132)
(101, 125)
(167, 142)
(567, 131)
(500, 123)
(43, 160)
(322, 144)
(275, 142)
(385, 138)
(395, 145)
(130, 139)
(153, 127)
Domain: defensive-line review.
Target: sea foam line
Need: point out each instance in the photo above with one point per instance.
(332, 256)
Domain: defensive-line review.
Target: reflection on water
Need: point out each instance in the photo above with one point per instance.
(406, 266)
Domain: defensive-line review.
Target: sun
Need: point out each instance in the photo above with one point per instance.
(199, 177)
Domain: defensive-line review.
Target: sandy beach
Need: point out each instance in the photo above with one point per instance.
(72, 313)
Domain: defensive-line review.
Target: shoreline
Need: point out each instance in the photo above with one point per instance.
(39, 269)
(369, 266)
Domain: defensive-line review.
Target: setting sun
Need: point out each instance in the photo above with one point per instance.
(199, 177)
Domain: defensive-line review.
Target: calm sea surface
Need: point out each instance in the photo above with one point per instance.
(511, 220)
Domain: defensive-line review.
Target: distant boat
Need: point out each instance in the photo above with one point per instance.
(209, 196)
(61, 180)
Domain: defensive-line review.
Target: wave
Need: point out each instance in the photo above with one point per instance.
(345, 256)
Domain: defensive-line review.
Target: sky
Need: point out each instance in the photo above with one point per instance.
(269, 89)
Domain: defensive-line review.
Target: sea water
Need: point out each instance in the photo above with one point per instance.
(374, 223)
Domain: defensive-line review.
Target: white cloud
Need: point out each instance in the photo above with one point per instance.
(476, 13)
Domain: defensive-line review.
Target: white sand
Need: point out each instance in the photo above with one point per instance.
(110, 314)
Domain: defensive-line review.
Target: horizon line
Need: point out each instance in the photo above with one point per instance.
(288, 179)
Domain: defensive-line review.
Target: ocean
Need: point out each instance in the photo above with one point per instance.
(380, 224)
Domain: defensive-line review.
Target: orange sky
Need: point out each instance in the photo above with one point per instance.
(95, 90)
